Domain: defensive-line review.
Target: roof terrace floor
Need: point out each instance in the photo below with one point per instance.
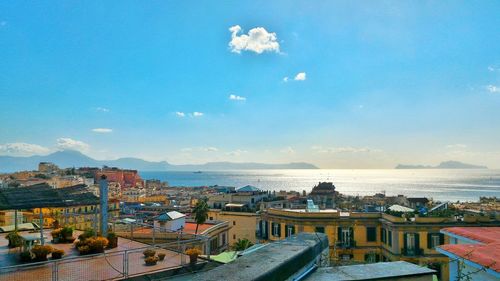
(109, 266)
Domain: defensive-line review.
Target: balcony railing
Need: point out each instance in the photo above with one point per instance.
(346, 244)
(412, 252)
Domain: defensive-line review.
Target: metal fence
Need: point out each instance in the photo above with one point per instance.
(112, 265)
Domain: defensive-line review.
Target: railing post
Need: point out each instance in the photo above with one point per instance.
(154, 232)
(125, 264)
(208, 248)
(54, 271)
(183, 257)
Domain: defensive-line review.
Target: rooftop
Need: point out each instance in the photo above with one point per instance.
(380, 270)
(486, 254)
(43, 195)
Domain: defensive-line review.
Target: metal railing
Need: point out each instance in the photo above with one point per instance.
(112, 265)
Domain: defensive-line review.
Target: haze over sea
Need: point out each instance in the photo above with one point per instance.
(443, 185)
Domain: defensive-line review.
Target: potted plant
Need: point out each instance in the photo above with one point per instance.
(149, 253)
(67, 234)
(97, 244)
(15, 239)
(57, 254)
(41, 252)
(161, 256)
(26, 256)
(193, 254)
(56, 235)
(151, 260)
(113, 240)
(84, 250)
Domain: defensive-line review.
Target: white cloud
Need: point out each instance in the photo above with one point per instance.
(235, 97)
(102, 109)
(257, 40)
(456, 146)
(301, 76)
(187, 149)
(236, 152)
(285, 79)
(102, 130)
(493, 89)
(210, 149)
(180, 114)
(347, 149)
(197, 114)
(68, 143)
(22, 149)
(288, 150)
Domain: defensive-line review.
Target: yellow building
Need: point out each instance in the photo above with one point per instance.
(368, 237)
(243, 224)
(79, 217)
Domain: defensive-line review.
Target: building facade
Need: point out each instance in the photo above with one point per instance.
(368, 237)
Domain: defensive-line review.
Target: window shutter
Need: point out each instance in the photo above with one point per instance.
(266, 230)
(293, 229)
(279, 229)
(351, 232)
(417, 241)
(405, 238)
(429, 241)
(377, 257)
(339, 234)
(389, 236)
(441, 239)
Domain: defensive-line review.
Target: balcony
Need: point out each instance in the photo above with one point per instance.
(412, 252)
(346, 244)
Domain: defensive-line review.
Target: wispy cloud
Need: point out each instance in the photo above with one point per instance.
(236, 152)
(102, 109)
(102, 130)
(22, 149)
(346, 149)
(68, 143)
(180, 114)
(493, 89)
(258, 40)
(3, 23)
(301, 76)
(197, 114)
(456, 146)
(210, 149)
(492, 68)
(201, 148)
(237, 98)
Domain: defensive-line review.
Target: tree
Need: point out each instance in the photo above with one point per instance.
(200, 212)
(242, 244)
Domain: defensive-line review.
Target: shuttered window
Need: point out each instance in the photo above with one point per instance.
(371, 234)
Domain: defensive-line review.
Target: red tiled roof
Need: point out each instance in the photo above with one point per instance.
(486, 254)
(484, 235)
(190, 227)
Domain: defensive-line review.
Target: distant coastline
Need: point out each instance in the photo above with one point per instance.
(443, 165)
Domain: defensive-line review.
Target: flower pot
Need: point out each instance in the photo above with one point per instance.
(193, 259)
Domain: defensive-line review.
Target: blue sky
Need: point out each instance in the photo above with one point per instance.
(378, 82)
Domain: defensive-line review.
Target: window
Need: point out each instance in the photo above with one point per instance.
(346, 257)
(213, 244)
(290, 230)
(320, 229)
(371, 234)
(234, 222)
(434, 240)
(410, 241)
(383, 235)
(276, 229)
(234, 236)
(389, 238)
(211, 218)
(223, 239)
(346, 236)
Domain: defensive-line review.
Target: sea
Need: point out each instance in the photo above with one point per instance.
(439, 184)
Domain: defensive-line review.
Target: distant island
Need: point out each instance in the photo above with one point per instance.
(443, 165)
(71, 158)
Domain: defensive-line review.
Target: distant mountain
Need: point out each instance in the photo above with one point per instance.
(70, 158)
(443, 165)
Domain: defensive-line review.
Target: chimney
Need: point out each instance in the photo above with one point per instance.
(103, 194)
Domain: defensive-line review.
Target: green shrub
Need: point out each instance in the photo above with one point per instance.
(15, 239)
(149, 253)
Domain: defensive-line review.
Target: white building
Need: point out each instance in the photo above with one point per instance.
(170, 221)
